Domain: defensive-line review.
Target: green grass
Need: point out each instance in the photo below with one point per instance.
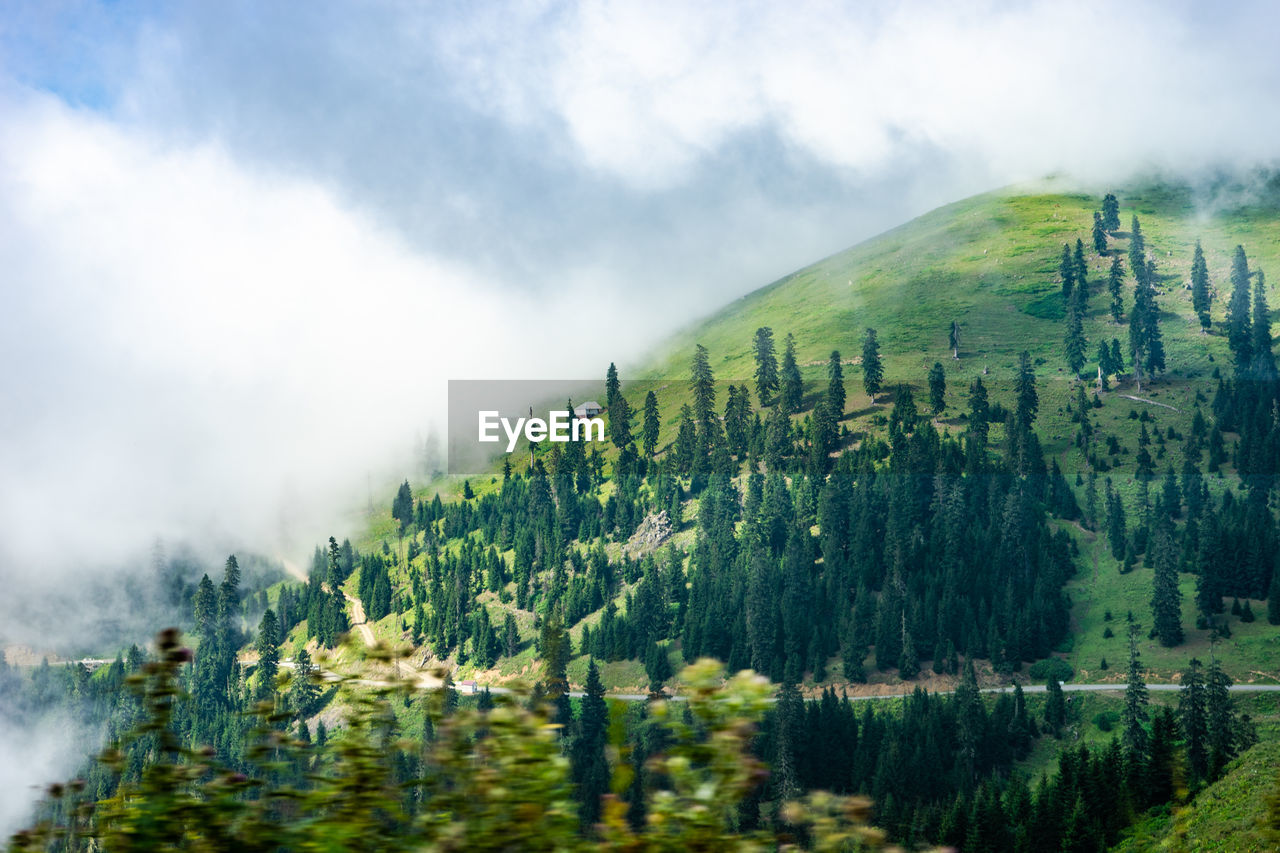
(1226, 817)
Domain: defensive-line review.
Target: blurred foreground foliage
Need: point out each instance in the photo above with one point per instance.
(488, 778)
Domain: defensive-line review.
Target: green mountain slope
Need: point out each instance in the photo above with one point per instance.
(1227, 817)
(989, 263)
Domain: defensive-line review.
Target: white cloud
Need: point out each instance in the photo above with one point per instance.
(647, 91)
(208, 353)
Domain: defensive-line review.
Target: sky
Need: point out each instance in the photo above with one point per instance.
(243, 245)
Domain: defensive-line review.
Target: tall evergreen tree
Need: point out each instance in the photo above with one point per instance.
(1134, 714)
(1192, 714)
(1024, 388)
(1067, 274)
(587, 755)
(1201, 292)
(1264, 360)
(1137, 253)
(835, 385)
(620, 421)
(1074, 343)
(1115, 284)
(652, 424)
(1239, 322)
(792, 385)
(611, 385)
(268, 648)
(872, 368)
(766, 366)
(937, 388)
(702, 385)
(1166, 598)
(1145, 341)
(1110, 213)
(1099, 234)
(1081, 272)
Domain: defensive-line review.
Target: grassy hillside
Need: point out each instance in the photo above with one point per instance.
(991, 264)
(1226, 817)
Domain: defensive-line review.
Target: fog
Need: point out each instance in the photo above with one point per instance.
(243, 247)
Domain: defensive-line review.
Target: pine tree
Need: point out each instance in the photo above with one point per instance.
(1024, 387)
(1115, 285)
(835, 385)
(1239, 322)
(1074, 343)
(1166, 598)
(1145, 341)
(268, 647)
(1081, 272)
(611, 385)
(1264, 361)
(1134, 714)
(1067, 274)
(620, 421)
(766, 366)
(1110, 213)
(937, 388)
(1099, 234)
(1137, 253)
(702, 385)
(872, 368)
(303, 690)
(1201, 293)
(1224, 730)
(1116, 533)
(1192, 714)
(587, 755)
(652, 425)
(792, 385)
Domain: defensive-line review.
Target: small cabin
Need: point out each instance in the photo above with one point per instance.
(589, 409)
(468, 687)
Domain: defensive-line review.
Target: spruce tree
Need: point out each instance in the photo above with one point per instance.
(1081, 272)
(611, 385)
(1099, 234)
(1067, 274)
(1137, 253)
(1024, 387)
(1264, 361)
(620, 421)
(766, 366)
(792, 386)
(1166, 598)
(1201, 294)
(702, 385)
(652, 424)
(937, 388)
(268, 647)
(1110, 213)
(1134, 714)
(835, 385)
(1192, 714)
(872, 368)
(1074, 343)
(1224, 729)
(587, 755)
(1239, 322)
(1115, 285)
